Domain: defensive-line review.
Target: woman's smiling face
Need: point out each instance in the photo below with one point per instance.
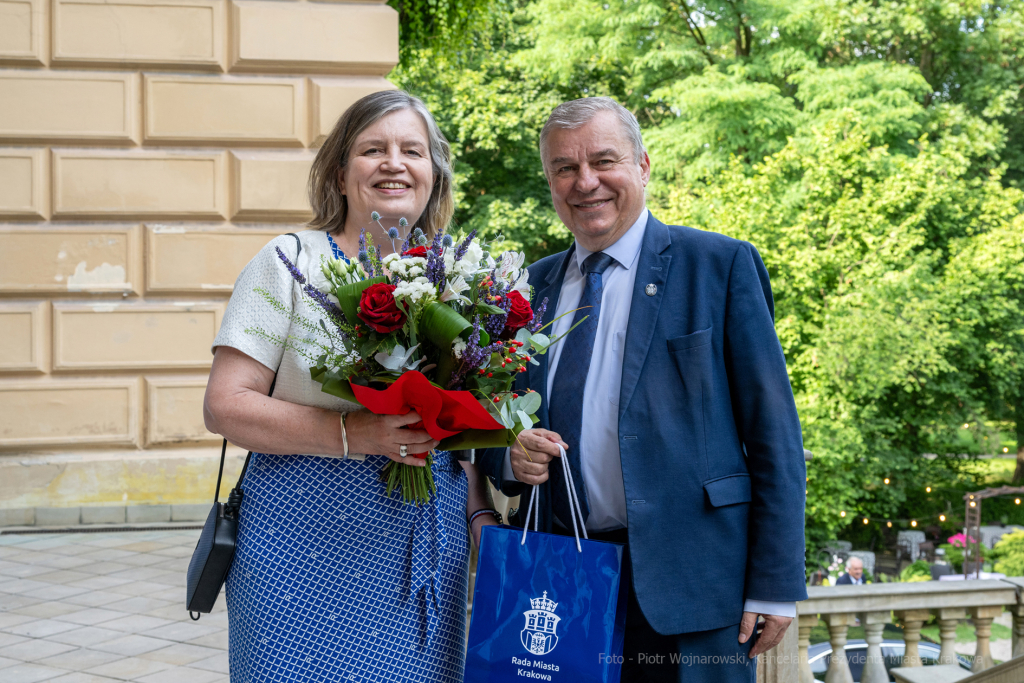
(388, 171)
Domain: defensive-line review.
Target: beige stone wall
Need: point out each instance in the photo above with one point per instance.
(147, 150)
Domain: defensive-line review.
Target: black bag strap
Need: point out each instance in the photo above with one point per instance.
(235, 497)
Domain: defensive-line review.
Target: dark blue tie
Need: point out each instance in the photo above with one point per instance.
(565, 405)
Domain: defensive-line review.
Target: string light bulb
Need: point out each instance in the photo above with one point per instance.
(942, 518)
(1005, 449)
(927, 489)
(842, 513)
(1017, 501)
(865, 520)
(966, 426)
(889, 524)
(886, 480)
(913, 522)
(972, 503)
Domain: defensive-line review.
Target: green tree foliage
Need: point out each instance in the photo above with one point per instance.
(873, 151)
(1009, 554)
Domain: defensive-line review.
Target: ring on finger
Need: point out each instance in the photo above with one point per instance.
(403, 450)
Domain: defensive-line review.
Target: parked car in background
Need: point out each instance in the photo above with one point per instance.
(820, 654)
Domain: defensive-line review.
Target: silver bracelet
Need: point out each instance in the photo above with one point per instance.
(344, 436)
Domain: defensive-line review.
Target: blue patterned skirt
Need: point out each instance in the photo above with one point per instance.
(332, 581)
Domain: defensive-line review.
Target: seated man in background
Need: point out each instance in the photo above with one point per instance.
(854, 575)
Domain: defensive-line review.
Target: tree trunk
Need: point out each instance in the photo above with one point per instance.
(1018, 474)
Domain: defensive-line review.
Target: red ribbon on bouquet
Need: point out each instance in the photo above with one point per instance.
(444, 413)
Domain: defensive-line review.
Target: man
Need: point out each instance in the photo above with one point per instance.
(674, 406)
(854, 575)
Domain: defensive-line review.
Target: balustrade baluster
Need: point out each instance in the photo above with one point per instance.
(948, 618)
(1018, 630)
(874, 665)
(839, 666)
(913, 620)
(805, 624)
(982, 617)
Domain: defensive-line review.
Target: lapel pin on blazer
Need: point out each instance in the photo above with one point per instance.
(651, 289)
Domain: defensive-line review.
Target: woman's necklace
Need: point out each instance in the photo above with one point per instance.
(338, 254)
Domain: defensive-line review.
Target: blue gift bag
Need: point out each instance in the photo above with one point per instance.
(546, 607)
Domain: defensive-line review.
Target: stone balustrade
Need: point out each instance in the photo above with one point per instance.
(911, 604)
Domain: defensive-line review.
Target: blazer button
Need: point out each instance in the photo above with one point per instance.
(651, 289)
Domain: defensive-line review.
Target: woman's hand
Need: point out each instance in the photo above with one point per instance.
(385, 434)
(478, 526)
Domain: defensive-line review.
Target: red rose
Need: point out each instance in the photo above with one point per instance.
(519, 313)
(378, 309)
(416, 251)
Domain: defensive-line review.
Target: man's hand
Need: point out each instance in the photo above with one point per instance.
(769, 632)
(541, 446)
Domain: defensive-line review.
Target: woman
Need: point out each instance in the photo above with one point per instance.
(332, 580)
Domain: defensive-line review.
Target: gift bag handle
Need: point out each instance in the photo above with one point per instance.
(574, 505)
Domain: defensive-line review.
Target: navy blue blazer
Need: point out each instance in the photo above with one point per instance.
(711, 447)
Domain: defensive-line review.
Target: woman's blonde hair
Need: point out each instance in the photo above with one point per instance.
(330, 206)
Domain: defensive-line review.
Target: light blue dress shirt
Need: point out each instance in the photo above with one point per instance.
(599, 437)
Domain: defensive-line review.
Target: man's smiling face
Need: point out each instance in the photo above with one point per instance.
(597, 186)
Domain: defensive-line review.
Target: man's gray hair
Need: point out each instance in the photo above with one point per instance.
(576, 113)
(850, 561)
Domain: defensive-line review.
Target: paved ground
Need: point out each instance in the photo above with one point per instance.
(100, 607)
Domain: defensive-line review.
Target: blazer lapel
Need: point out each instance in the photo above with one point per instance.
(652, 269)
(551, 287)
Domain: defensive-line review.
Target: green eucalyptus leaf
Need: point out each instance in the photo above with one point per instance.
(530, 402)
(490, 309)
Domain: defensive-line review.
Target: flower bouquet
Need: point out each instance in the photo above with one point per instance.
(441, 327)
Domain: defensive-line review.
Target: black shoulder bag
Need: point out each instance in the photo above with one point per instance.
(211, 560)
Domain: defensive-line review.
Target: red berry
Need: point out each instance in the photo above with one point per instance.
(490, 374)
(497, 399)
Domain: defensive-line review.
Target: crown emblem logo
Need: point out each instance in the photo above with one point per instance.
(543, 603)
(539, 635)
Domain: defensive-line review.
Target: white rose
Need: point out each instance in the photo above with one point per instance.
(320, 281)
(473, 255)
(458, 346)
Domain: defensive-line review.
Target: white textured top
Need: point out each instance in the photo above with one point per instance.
(250, 310)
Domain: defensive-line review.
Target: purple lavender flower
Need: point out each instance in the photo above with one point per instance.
(435, 262)
(292, 270)
(473, 356)
(461, 250)
(405, 244)
(538, 317)
(496, 322)
(325, 303)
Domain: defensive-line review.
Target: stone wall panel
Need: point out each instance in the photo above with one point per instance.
(24, 183)
(348, 37)
(45, 106)
(271, 186)
(23, 36)
(226, 110)
(23, 336)
(332, 96)
(70, 412)
(140, 184)
(174, 411)
(193, 259)
(128, 336)
(69, 259)
(170, 33)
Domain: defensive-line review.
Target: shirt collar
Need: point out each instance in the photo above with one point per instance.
(626, 249)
